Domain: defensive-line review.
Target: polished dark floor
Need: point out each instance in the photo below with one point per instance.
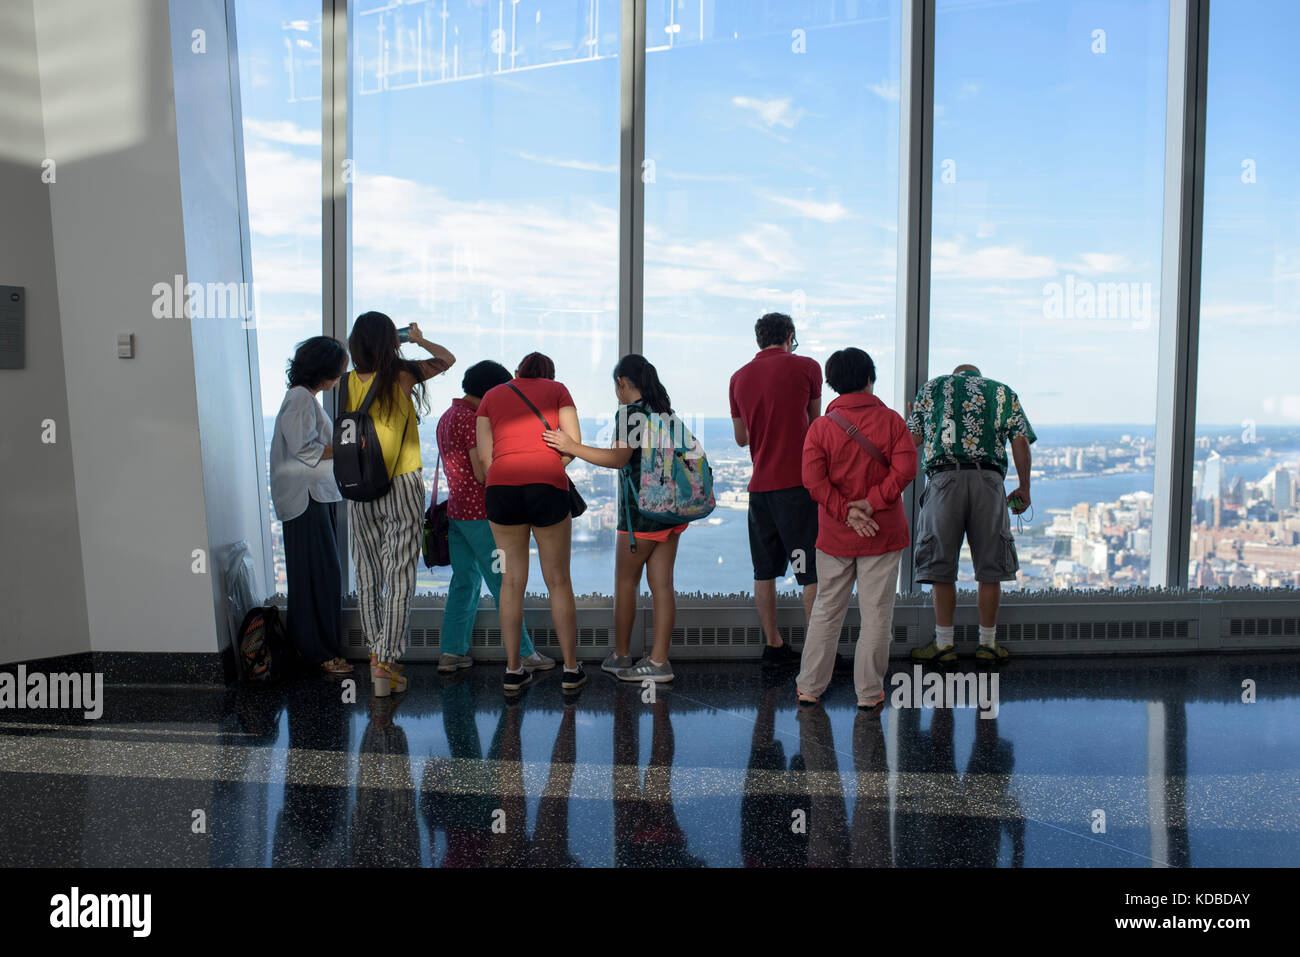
(721, 770)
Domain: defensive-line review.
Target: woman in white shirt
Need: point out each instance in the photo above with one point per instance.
(304, 493)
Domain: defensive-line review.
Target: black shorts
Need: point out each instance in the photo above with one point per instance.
(537, 504)
(783, 532)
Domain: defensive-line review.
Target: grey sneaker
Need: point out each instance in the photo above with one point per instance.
(449, 662)
(616, 662)
(538, 662)
(646, 670)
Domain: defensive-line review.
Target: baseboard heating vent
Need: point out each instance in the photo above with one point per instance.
(713, 637)
(1260, 627)
(1089, 630)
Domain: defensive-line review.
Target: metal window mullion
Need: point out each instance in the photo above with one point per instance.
(250, 322)
(1180, 291)
(335, 208)
(631, 188)
(915, 195)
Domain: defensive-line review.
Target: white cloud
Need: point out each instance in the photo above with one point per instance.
(774, 112)
(885, 90)
(824, 212)
(1100, 263)
(950, 259)
(569, 163)
(281, 131)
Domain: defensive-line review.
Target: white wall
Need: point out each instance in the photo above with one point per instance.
(122, 223)
(42, 591)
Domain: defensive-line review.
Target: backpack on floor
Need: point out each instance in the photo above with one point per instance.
(263, 651)
(359, 469)
(676, 480)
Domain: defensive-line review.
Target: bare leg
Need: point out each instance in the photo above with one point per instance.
(809, 599)
(627, 584)
(990, 596)
(659, 571)
(553, 548)
(765, 600)
(945, 602)
(512, 541)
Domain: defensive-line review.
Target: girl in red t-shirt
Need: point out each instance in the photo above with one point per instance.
(528, 494)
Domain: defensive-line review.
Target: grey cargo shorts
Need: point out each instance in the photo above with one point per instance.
(970, 503)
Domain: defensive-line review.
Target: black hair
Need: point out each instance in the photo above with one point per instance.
(850, 370)
(773, 329)
(535, 365)
(373, 347)
(645, 377)
(316, 361)
(483, 376)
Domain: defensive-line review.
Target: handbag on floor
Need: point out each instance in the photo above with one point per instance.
(435, 544)
(577, 504)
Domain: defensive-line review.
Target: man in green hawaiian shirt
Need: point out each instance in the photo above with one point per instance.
(961, 424)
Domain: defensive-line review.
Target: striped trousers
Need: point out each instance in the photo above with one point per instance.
(385, 536)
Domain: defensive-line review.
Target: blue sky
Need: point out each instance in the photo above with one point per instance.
(486, 201)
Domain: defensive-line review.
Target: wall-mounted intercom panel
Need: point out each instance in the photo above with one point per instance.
(13, 327)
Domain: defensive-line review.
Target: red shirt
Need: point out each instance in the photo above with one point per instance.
(519, 456)
(836, 471)
(770, 394)
(457, 438)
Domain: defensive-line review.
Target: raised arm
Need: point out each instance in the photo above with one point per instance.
(442, 358)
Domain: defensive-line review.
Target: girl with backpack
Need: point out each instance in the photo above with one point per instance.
(385, 532)
(643, 543)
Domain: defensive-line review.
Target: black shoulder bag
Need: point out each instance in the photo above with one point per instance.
(576, 503)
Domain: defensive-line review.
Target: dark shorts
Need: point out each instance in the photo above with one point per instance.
(537, 504)
(970, 504)
(783, 532)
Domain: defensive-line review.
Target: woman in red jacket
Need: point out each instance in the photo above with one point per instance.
(857, 459)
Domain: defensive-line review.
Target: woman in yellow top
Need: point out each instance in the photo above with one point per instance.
(385, 533)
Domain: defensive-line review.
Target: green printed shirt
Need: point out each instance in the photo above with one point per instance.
(966, 418)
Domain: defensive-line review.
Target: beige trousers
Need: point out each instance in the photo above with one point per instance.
(877, 581)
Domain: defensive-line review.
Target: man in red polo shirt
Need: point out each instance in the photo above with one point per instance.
(857, 460)
(774, 397)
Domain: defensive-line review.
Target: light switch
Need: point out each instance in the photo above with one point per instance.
(126, 345)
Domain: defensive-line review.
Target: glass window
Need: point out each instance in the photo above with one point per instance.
(1049, 126)
(1245, 518)
(280, 95)
(771, 184)
(485, 198)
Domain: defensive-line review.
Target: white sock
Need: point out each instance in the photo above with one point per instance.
(943, 636)
(988, 636)
(519, 672)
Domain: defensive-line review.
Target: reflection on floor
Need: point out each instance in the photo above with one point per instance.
(1089, 762)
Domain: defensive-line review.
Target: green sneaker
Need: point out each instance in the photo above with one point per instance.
(994, 652)
(935, 655)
